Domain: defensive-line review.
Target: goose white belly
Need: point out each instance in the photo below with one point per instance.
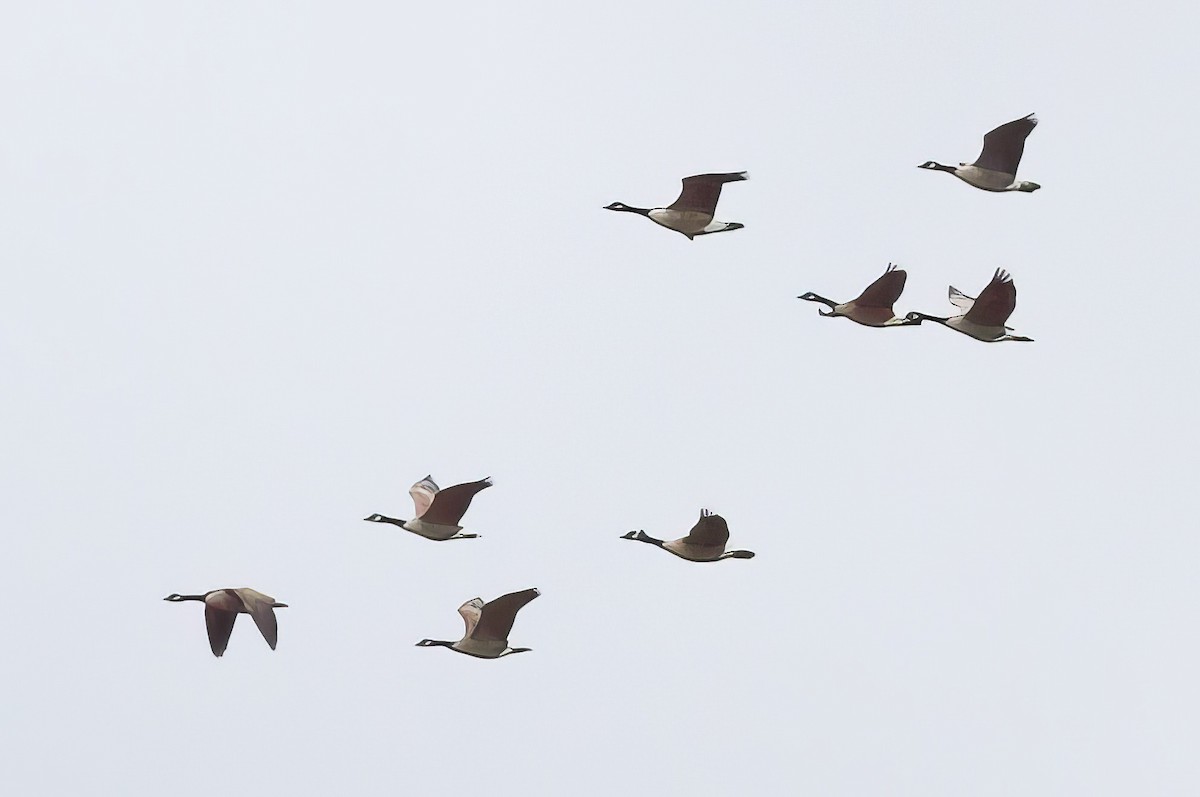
(696, 553)
(867, 316)
(433, 531)
(987, 179)
(485, 648)
(686, 221)
(977, 331)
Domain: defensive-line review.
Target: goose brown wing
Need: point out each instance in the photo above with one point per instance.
(701, 191)
(496, 618)
(884, 291)
(996, 302)
(220, 626)
(1003, 147)
(259, 607)
(710, 529)
(450, 504)
(422, 494)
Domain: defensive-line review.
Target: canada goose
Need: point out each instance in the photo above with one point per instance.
(996, 167)
(221, 608)
(488, 626)
(983, 318)
(438, 511)
(704, 543)
(692, 213)
(873, 307)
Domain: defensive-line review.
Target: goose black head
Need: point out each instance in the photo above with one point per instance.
(938, 166)
(627, 208)
(175, 597)
(813, 297)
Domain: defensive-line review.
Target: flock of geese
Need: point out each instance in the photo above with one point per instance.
(439, 512)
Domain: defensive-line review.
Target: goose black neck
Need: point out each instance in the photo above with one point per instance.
(621, 206)
(644, 537)
(178, 597)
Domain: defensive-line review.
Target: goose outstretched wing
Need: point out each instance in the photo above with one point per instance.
(884, 291)
(450, 504)
(1003, 147)
(701, 191)
(497, 616)
(996, 302)
(220, 626)
(260, 607)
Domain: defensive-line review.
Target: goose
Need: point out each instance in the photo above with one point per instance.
(221, 608)
(873, 307)
(704, 543)
(982, 318)
(692, 213)
(438, 511)
(996, 167)
(488, 626)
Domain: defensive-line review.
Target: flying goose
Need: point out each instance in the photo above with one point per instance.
(996, 167)
(873, 307)
(704, 543)
(983, 318)
(221, 608)
(438, 511)
(488, 626)
(692, 213)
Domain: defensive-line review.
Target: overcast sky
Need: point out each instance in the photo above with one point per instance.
(265, 265)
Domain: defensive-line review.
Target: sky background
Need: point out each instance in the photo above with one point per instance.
(265, 265)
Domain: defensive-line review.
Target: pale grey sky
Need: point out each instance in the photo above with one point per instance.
(267, 264)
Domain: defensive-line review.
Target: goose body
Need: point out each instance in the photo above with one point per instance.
(983, 318)
(704, 543)
(438, 511)
(487, 626)
(996, 167)
(693, 212)
(221, 608)
(873, 307)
